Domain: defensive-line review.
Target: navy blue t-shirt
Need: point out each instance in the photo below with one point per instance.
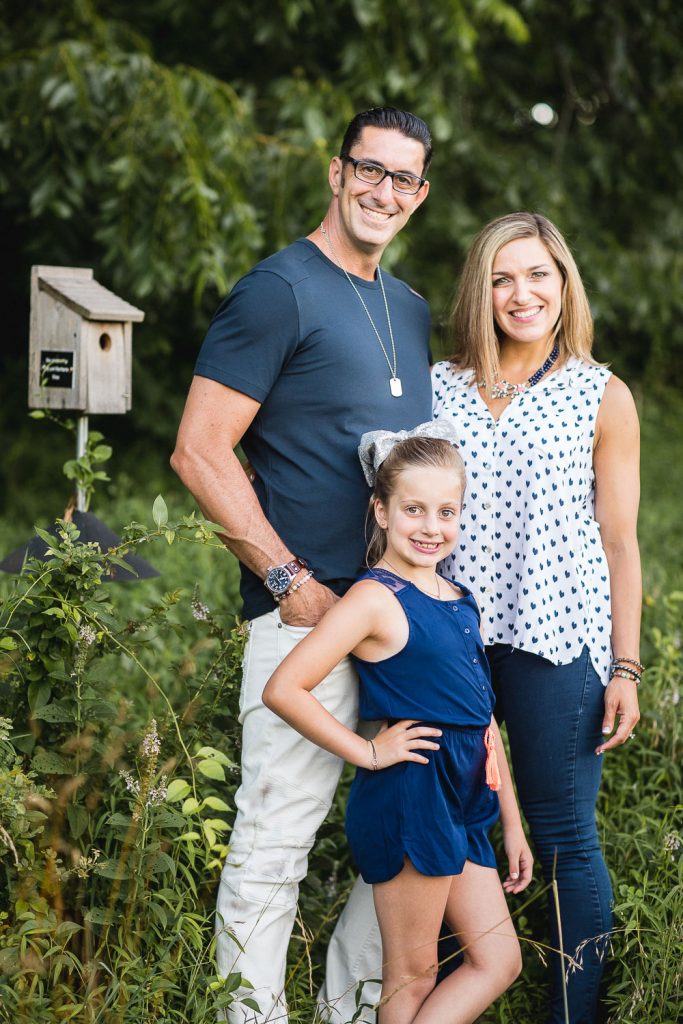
(294, 336)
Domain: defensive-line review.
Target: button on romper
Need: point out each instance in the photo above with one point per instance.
(437, 814)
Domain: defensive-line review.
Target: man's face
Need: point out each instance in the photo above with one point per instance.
(371, 215)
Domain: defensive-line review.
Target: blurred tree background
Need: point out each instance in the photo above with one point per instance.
(170, 145)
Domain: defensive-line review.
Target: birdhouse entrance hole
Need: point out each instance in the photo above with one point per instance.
(105, 342)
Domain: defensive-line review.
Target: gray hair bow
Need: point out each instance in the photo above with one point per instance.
(375, 445)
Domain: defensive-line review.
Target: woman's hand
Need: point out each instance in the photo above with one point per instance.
(401, 742)
(520, 860)
(621, 700)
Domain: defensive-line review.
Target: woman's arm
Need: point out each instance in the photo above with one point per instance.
(360, 615)
(616, 460)
(520, 858)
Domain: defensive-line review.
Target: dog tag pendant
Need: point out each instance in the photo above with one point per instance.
(395, 385)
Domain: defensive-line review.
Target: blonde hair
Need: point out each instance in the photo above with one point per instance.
(414, 451)
(473, 327)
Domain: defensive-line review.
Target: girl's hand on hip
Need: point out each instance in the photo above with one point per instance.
(401, 742)
(520, 861)
(621, 700)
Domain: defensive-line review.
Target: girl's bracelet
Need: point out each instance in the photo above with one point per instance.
(375, 766)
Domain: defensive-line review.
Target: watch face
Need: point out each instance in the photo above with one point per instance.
(278, 580)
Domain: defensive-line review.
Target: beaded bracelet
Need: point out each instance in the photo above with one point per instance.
(623, 671)
(630, 668)
(375, 766)
(629, 661)
(626, 668)
(622, 675)
(293, 589)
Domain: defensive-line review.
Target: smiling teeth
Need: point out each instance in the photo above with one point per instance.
(525, 314)
(376, 213)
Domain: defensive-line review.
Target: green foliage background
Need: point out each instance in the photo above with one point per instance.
(170, 145)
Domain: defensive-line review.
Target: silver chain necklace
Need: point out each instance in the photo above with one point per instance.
(394, 381)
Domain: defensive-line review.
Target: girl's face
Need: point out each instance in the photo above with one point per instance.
(422, 515)
(526, 291)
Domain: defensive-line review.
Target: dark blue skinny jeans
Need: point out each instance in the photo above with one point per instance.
(553, 716)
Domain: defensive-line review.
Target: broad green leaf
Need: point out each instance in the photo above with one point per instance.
(160, 863)
(216, 804)
(217, 824)
(38, 695)
(50, 763)
(78, 819)
(159, 512)
(217, 755)
(212, 769)
(113, 869)
(56, 712)
(178, 789)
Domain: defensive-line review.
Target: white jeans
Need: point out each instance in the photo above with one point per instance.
(287, 787)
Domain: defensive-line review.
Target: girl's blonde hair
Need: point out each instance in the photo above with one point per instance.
(473, 328)
(413, 451)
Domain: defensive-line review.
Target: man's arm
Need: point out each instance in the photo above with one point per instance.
(215, 419)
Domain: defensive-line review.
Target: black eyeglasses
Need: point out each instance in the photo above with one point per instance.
(373, 174)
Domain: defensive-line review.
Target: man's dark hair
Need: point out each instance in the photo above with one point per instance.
(388, 117)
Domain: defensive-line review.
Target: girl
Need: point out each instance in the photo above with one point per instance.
(423, 798)
(550, 441)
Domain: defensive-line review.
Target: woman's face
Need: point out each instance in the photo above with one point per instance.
(526, 291)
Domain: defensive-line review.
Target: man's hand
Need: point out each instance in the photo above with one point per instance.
(621, 700)
(307, 605)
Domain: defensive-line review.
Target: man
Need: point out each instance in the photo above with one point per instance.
(312, 348)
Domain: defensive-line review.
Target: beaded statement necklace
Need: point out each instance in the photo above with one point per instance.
(506, 389)
(394, 381)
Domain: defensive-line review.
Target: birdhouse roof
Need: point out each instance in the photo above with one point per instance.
(89, 298)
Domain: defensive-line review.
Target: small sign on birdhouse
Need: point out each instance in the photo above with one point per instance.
(80, 348)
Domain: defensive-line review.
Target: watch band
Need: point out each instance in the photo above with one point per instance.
(279, 577)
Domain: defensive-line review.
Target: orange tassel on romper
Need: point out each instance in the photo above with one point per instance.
(492, 769)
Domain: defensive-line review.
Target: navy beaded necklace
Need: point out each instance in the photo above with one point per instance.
(505, 389)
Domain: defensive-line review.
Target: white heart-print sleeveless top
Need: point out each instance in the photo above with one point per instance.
(529, 546)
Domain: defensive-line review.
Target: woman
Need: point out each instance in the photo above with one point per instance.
(548, 543)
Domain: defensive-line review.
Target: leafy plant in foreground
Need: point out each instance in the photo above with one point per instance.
(109, 882)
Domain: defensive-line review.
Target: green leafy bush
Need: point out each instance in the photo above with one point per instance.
(113, 839)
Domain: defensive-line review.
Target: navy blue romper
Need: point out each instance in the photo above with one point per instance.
(437, 814)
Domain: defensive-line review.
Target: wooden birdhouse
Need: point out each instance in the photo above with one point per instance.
(80, 348)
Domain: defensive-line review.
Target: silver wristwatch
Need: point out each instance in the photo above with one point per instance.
(279, 577)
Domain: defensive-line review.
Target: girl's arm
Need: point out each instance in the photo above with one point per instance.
(360, 615)
(617, 492)
(520, 858)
